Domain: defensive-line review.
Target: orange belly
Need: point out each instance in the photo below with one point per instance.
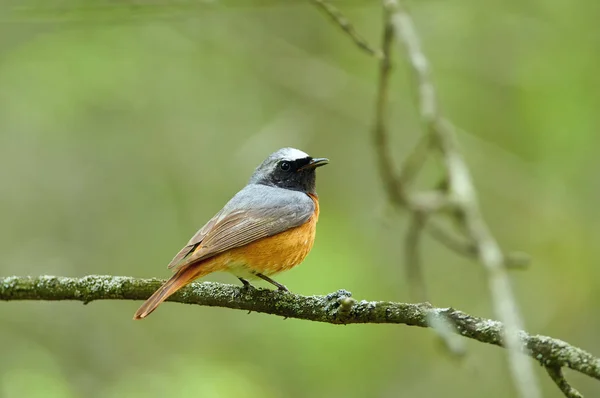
(271, 255)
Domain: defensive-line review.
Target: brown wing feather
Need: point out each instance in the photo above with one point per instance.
(194, 241)
(240, 228)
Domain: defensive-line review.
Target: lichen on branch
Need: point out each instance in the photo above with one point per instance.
(336, 308)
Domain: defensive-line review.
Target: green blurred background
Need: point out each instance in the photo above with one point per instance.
(124, 126)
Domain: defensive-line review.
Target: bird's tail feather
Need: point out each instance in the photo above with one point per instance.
(181, 278)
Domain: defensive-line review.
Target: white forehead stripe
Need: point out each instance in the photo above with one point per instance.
(293, 154)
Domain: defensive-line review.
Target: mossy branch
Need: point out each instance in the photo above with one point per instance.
(337, 308)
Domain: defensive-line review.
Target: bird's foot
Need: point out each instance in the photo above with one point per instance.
(247, 286)
(282, 288)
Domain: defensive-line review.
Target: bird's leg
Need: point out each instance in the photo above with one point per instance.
(271, 281)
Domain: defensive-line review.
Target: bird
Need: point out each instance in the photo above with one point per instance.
(266, 228)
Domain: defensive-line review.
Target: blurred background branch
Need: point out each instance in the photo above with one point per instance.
(461, 195)
(338, 18)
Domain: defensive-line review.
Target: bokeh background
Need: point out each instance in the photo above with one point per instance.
(124, 126)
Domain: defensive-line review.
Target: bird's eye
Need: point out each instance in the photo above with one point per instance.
(285, 166)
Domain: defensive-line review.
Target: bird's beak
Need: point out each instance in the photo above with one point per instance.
(314, 163)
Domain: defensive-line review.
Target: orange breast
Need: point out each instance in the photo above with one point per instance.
(276, 253)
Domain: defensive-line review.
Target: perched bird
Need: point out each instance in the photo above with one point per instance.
(266, 228)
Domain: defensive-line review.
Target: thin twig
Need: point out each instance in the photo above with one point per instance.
(340, 20)
(462, 245)
(394, 186)
(462, 193)
(414, 271)
(557, 376)
(443, 327)
(415, 160)
(406, 34)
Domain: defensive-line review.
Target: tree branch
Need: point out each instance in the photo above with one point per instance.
(336, 308)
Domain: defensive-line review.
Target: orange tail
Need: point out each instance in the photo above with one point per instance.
(181, 278)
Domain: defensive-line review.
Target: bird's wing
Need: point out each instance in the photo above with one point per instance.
(255, 212)
(195, 240)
